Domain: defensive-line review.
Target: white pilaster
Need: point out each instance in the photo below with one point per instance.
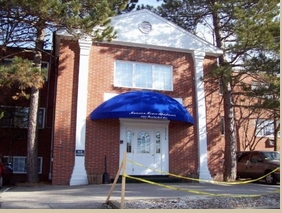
(79, 175)
(200, 103)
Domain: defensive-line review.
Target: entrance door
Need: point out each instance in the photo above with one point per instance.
(146, 147)
(145, 152)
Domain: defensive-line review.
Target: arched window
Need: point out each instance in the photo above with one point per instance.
(158, 142)
(128, 141)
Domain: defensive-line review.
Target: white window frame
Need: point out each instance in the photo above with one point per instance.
(153, 85)
(25, 125)
(262, 125)
(23, 168)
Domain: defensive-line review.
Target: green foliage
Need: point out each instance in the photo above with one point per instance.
(23, 75)
(265, 70)
(22, 20)
(244, 30)
(26, 23)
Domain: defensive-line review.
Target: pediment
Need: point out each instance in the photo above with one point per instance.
(146, 29)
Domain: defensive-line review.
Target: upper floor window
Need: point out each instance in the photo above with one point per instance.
(141, 75)
(17, 117)
(265, 128)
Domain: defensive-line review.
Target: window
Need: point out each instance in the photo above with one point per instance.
(19, 164)
(141, 75)
(256, 157)
(143, 142)
(265, 128)
(158, 142)
(128, 141)
(17, 117)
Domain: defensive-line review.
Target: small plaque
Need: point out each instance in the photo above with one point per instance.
(79, 152)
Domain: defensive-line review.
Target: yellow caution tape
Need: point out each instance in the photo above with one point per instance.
(195, 191)
(202, 180)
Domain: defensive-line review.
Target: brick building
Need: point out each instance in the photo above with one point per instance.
(142, 94)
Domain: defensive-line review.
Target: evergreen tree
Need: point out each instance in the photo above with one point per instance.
(241, 29)
(28, 22)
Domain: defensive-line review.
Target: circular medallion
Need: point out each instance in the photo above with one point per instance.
(145, 27)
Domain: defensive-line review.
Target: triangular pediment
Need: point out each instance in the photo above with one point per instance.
(146, 29)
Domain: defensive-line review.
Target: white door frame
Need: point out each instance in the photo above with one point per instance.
(144, 123)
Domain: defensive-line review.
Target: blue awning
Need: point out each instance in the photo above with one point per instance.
(142, 104)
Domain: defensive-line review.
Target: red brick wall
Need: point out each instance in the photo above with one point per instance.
(214, 111)
(102, 136)
(65, 115)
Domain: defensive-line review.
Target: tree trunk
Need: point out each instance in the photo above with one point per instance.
(230, 163)
(32, 143)
(32, 157)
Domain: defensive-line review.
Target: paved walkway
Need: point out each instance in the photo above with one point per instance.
(94, 196)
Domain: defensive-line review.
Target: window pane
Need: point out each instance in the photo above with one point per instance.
(158, 142)
(128, 141)
(123, 74)
(19, 164)
(143, 143)
(21, 117)
(143, 76)
(162, 78)
(265, 128)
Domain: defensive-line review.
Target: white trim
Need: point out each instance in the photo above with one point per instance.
(79, 175)
(200, 107)
(164, 33)
(147, 124)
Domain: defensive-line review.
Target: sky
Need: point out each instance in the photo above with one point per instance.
(149, 2)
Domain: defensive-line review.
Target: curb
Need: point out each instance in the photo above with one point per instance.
(114, 204)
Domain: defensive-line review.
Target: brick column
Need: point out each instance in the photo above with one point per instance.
(201, 123)
(79, 175)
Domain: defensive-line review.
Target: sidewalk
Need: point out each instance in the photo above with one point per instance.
(94, 196)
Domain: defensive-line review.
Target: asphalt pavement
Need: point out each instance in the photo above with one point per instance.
(46, 196)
